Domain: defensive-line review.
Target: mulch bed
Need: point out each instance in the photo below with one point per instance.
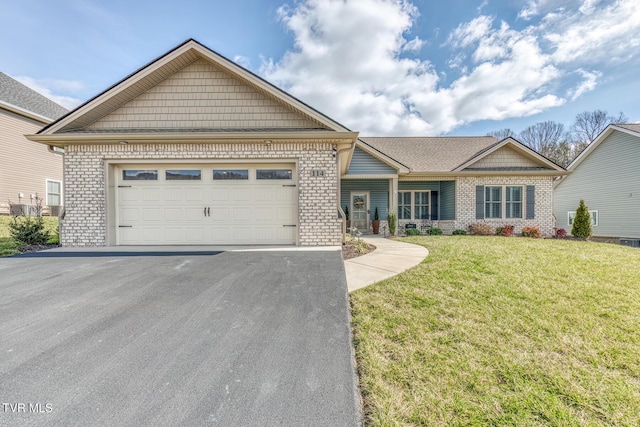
(349, 251)
(35, 248)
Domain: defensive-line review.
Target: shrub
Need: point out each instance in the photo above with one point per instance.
(582, 222)
(29, 231)
(561, 233)
(392, 221)
(459, 233)
(531, 232)
(375, 215)
(346, 212)
(506, 231)
(481, 229)
(435, 231)
(412, 232)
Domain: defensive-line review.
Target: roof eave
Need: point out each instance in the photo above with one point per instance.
(488, 173)
(596, 142)
(516, 145)
(25, 113)
(62, 140)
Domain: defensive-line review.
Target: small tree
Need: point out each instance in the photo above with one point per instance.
(582, 222)
(29, 231)
(346, 212)
(392, 220)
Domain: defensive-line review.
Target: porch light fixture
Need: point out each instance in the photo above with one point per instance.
(334, 151)
(123, 142)
(267, 142)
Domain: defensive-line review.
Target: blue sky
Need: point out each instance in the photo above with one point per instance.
(382, 67)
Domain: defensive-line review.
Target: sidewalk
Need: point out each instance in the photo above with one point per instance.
(389, 259)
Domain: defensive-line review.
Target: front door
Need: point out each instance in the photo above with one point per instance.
(360, 210)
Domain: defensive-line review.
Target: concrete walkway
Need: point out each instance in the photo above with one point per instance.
(390, 258)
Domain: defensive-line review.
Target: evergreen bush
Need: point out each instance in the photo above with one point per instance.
(582, 222)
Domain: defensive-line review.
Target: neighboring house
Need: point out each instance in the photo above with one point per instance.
(194, 149)
(606, 175)
(450, 182)
(27, 169)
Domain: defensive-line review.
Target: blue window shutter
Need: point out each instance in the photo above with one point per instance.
(479, 201)
(434, 205)
(531, 201)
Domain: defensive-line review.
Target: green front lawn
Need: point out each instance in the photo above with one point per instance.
(503, 331)
(9, 247)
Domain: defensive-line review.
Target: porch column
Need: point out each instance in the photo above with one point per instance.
(393, 194)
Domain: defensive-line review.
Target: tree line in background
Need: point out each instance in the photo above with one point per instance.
(559, 145)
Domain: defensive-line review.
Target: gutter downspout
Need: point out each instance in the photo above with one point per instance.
(340, 211)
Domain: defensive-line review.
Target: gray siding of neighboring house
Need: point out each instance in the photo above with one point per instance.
(608, 180)
(365, 164)
(378, 190)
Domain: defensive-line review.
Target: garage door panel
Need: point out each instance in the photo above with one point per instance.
(151, 235)
(194, 213)
(241, 194)
(286, 214)
(174, 235)
(152, 194)
(238, 211)
(172, 194)
(152, 214)
(173, 214)
(220, 194)
(128, 194)
(195, 235)
(194, 195)
(285, 194)
(242, 214)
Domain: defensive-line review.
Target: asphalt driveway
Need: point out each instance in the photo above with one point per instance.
(191, 338)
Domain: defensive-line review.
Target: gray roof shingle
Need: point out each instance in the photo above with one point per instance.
(634, 127)
(15, 93)
(431, 154)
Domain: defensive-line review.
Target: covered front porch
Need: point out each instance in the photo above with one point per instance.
(426, 203)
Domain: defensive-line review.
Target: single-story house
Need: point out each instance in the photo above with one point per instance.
(27, 170)
(194, 149)
(606, 176)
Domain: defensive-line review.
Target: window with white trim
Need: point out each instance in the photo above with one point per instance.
(513, 202)
(413, 205)
(493, 202)
(593, 214)
(54, 193)
(503, 201)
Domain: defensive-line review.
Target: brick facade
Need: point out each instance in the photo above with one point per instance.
(85, 177)
(466, 202)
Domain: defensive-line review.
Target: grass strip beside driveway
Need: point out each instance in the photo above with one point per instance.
(503, 331)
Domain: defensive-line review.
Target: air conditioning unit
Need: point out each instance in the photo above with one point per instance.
(634, 243)
(23, 209)
(55, 210)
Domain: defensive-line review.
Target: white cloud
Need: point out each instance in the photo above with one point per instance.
(243, 61)
(51, 87)
(348, 62)
(609, 34)
(586, 85)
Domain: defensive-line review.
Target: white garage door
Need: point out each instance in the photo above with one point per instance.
(206, 204)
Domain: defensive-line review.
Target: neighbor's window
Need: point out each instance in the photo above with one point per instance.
(404, 205)
(54, 193)
(232, 174)
(139, 175)
(513, 202)
(273, 174)
(592, 214)
(493, 202)
(183, 175)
